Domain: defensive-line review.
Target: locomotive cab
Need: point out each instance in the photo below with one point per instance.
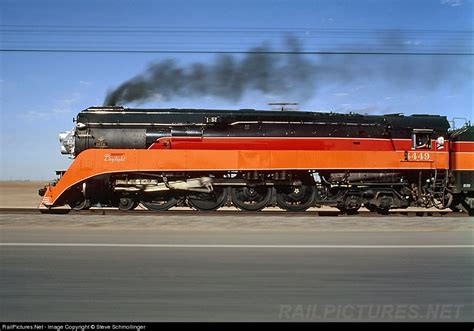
(421, 139)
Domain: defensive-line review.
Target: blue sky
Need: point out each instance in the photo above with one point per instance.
(42, 92)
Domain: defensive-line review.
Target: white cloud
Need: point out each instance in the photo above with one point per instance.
(341, 94)
(451, 3)
(64, 105)
(34, 114)
(412, 42)
(359, 87)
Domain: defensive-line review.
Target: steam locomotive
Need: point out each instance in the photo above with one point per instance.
(252, 159)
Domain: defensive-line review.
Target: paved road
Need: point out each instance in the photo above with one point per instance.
(82, 272)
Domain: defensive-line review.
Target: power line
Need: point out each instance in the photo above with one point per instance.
(77, 30)
(232, 52)
(147, 42)
(103, 34)
(349, 32)
(41, 41)
(194, 28)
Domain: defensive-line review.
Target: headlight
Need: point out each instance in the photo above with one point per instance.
(66, 139)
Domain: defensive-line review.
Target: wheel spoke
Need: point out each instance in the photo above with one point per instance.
(209, 201)
(251, 198)
(350, 205)
(295, 198)
(83, 204)
(160, 203)
(127, 203)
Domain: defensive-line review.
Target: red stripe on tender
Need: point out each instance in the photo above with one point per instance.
(268, 143)
(462, 146)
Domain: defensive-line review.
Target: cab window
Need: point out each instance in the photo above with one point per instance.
(421, 140)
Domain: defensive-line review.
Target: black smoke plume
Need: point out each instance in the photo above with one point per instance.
(290, 76)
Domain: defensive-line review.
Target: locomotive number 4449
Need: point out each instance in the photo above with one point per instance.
(418, 156)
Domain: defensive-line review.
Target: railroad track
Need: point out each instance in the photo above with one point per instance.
(268, 212)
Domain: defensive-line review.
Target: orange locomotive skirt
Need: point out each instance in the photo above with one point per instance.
(94, 162)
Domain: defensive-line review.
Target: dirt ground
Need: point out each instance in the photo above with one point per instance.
(20, 193)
